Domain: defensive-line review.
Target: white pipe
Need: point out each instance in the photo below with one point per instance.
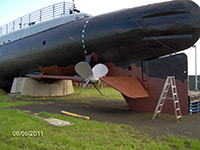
(196, 78)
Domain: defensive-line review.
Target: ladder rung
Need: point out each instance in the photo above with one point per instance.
(160, 105)
(177, 109)
(176, 101)
(163, 98)
(178, 117)
(158, 111)
(173, 86)
(165, 91)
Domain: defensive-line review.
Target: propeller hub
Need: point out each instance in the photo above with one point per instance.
(93, 79)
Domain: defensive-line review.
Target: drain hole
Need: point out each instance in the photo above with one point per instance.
(44, 42)
(129, 68)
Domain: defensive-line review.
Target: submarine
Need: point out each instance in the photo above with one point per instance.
(122, 40)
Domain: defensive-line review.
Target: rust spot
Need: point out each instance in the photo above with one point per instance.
(55, 70)
(71, 38)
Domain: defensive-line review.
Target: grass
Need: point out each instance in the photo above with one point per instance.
(6, 101)
(88, 95)
(83, 135)
(108, 93)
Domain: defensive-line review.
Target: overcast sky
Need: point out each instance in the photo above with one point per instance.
(13, 9)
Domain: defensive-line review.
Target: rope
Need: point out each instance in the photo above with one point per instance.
(149, 33)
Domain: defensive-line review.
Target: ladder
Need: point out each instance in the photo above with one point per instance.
(170, 82)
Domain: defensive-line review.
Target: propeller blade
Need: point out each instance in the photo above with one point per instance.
(83, 69)
(100, 70)
(84, 87)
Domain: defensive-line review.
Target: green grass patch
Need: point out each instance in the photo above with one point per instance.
(6, 101)
(83, 135)
(88, 95)
(107, 92)
(182, 143)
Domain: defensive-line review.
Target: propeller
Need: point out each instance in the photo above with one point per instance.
(91, 75)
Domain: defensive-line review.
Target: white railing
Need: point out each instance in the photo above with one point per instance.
(50, 12)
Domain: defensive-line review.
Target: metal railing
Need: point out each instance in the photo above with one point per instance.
(47, 13)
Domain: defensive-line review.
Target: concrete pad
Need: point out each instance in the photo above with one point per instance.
(51, 121)
(57, 122)
(32, 87)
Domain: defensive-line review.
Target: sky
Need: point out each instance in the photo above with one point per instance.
(13, 9)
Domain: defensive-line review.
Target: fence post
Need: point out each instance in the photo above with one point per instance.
(53, 10)
(20, 24)
(13, 26)
(40, 15)
(29, 17)
(7, 29)
(64, 8)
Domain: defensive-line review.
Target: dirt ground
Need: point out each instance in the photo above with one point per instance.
(116, 111)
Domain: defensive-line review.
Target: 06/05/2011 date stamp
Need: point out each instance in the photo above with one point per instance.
(27, 133)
